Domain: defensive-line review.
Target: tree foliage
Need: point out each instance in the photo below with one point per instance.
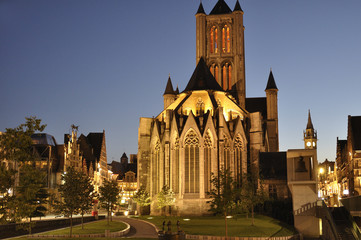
(86, 195)
(109, 195)
(165, 198)
(142, 198)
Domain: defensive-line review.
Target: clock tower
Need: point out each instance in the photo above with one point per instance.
(310, 135)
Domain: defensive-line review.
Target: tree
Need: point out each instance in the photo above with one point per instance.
(86, 196)
(223, 194)
(109, 194)
(7, 180)
(252, 194)
(70, 192)
(16, 148)
(165, 198)
(142, 198)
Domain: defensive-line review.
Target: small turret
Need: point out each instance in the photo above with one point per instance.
(272, 113)
(169, 94)
(310, 135)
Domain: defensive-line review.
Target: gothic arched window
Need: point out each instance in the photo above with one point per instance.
(226, 39)
(191, 163)
(214, 70)
(199, 107)
(214, 40)
(227, 153)
(155, 167)
(238, 157)
(175, 175)
(207, 162)
(226, 76)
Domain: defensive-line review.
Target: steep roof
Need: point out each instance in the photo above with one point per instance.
(202, 79)
(356, 132)
(221, 7)
(96, 140)
(237, 7)
(257, 105)
(200, 9)
(273, 165)
(271, 84)
(169, 88)
(309, 122)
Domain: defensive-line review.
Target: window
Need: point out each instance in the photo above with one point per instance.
(207, 162)
(214, 70)
(214, 40)
(272, 191)
(175, 175)
(226, 76)
(226, 40)
(227, 154)
(200, 107)
(238, 158)
(155, 166)
(191, 163)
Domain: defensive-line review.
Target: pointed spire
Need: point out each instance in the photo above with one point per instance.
(221, 7)
(202, 79)
(177, 90)
(169, 87)
(237, 7)
(309, 123)
(271, 84)
(200, 9)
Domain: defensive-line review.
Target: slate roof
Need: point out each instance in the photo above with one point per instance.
(221, 7)
(257, 105)
(169, 88)
(356, 132)
(237, 7)
(271, 84)
(200, 9)
(96, 140)
(273, 165)
(202, 79)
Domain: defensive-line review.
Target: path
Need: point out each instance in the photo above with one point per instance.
(138, 228)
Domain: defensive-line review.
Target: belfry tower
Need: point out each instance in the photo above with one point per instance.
(220, 41)
(310, 135)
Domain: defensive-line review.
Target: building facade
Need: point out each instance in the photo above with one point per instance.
(211, 124)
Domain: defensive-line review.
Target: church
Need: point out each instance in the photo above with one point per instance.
(211, 124)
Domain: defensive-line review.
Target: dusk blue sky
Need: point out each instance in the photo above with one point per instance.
(103, 64)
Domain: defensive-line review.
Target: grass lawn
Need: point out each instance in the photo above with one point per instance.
(91, 228)
(237, 227)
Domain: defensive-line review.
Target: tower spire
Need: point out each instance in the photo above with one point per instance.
(310, 135)
(309, 122)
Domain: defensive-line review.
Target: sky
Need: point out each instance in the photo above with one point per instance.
(103, 64)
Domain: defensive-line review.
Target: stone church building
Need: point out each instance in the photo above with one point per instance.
(210, 124)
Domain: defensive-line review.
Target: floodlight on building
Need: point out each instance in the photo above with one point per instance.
(126, 213)
(345, 192)
(321, 170)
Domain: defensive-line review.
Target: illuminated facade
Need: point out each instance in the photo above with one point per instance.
(328, 188)
(211, 124)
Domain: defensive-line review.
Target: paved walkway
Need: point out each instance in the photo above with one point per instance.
(138, 228)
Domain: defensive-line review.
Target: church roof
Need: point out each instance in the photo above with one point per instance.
(271, 84)
(237, 7)
(309, 122)
(273, 165)
(221, 7)
(355, 122)
(257, 105)
(169, 87)
(200, 9)
(202, 79)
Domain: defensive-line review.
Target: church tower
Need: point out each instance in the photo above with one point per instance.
(272, 113)
(220, 41)
(310, 135)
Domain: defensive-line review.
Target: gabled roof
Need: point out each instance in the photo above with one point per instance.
(309, 122)
(237, 7)
(221, 7)
(96, 140)
(356, 132)
(169, 88)
(271, 84)
(273, 165)
(202, 79)
(200, 9)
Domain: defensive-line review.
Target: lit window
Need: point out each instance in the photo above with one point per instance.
(226, 76)
(214, 40)
(226, 40)
(191, 163)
